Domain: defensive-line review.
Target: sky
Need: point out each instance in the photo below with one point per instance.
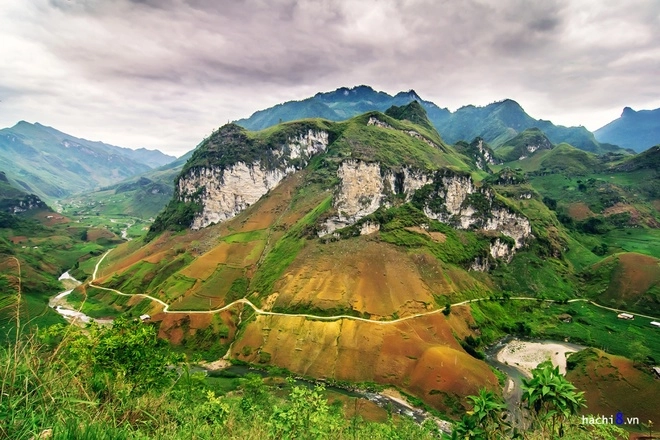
(165, 73)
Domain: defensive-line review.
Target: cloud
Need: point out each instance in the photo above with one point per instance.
(163, 73)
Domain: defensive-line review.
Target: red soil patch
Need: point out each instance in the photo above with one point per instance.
(94, 234)
(418, 355)
(633, 276)
(611, 384)
(18, 239)
(176, 326)
(579, 211)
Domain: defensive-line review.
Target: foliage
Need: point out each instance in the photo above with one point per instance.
(485, 421)
(551, 399)
(46, 394)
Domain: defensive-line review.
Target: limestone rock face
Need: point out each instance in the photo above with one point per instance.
(224, 192)
(455, 200)
(500, 249)
(27, 203)
(365, 187)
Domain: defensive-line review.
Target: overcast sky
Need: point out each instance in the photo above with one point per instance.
(164, 73)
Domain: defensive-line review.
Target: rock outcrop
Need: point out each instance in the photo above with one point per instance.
(224, 192)
(448, 197)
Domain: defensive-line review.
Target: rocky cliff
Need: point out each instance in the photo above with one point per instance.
(224, 191)
(445, 196)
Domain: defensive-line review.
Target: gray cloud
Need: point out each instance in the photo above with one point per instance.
(164, 73)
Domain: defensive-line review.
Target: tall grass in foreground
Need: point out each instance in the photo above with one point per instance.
(123, 382)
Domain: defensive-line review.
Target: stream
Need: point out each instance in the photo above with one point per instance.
(61, 306)
(517, 367)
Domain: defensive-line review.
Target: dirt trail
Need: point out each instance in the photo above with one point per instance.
(326, 318)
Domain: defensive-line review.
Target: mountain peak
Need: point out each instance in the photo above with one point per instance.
(413, 112)
(411, 94)
(627, 111)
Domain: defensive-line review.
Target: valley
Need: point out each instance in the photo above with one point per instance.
(366, 252)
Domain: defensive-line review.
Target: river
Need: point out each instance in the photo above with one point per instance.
(516, 358)
(61, 306)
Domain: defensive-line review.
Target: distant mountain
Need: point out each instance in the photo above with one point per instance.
(495, 123)
(523, 145)
(53, 164)
(638, 130)
(14, 200)
(338, 105)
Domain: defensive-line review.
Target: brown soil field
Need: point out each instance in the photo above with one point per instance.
(55, 218)
(656, 204)
(579, 211)
(176, 326)
(365, 275)
(633, 276)
(232, 254)
(18, 239)
(435, 236)
(420, 356)
(217, 286)
(94, 234)
(611, 384)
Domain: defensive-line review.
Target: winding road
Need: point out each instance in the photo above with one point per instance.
(166, 306)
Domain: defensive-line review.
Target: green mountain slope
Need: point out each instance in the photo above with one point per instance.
(52, 164)
(523, 144)
(638, 130)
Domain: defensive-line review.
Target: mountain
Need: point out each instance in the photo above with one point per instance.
(523, 144)
(494, 123)
(637, 130)
(361, 241)
(14, 200)
(52, 164)
(337, 105)
(500, 121)
(140, 197)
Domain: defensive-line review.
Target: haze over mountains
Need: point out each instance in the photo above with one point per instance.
(53, 164)
(637, 130)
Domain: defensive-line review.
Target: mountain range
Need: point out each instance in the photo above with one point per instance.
(637, 130)
(495, 123)
(53, 164)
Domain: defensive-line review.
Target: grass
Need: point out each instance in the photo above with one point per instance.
(284, 251)
(590, 325)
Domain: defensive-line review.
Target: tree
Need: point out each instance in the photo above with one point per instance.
(129, 350)
(551, 399)
(447, 310)
(308, 415)
(640, 353)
